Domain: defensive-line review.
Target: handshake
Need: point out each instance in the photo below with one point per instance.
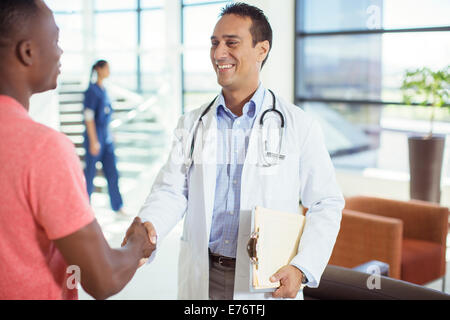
(143, 237)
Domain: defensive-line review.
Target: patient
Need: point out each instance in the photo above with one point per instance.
(46, 223)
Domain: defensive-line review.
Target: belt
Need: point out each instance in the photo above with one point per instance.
(223, 261)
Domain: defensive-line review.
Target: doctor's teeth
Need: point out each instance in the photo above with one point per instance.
(226, 66)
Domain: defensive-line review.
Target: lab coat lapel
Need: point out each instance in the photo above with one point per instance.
(209, 162)
(253, 154)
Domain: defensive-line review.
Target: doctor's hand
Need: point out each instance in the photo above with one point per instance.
(290, 279)
(151, 235)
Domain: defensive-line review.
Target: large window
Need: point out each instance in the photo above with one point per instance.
(70, 22)
(135, 36)
(350, 59)
(130, 35)
(118, 44)
(199, 80)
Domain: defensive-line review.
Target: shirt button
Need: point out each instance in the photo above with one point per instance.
(231, 213)
(234, 181)
(227, 241)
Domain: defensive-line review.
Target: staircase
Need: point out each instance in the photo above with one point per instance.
(139, 139)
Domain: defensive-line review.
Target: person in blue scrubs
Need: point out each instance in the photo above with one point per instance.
(98, 140)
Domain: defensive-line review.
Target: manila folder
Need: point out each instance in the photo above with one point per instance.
(278, 239)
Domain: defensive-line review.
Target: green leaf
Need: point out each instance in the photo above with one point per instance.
(426, 87)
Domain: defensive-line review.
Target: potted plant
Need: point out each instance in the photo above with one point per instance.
(431, 89)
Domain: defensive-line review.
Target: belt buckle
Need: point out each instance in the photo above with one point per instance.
(221, 261)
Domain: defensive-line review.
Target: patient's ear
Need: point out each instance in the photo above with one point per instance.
(25, 52)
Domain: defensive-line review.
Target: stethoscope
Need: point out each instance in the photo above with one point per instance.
(268, 158)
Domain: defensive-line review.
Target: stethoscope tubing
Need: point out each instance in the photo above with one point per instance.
(261, 120)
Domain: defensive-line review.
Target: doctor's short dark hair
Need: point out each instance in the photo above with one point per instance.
(15, 17)
(260, 29)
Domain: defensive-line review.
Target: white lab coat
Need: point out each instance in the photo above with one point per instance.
(306, 173)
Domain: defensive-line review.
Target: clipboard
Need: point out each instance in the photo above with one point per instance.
(272, 244)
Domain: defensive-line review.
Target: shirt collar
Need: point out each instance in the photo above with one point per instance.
(251, 108)
(12, 105)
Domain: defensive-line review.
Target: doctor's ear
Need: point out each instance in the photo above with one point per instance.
(263, 48)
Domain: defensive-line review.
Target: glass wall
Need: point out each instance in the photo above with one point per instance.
(351, 56)
(130, 35)
(69, 19)
(117, 42)
(199, 79)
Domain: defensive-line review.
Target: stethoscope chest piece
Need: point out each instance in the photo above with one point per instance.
(271, 140)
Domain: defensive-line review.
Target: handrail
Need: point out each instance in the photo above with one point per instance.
(132, 114)
(123, 92)
(116, 90)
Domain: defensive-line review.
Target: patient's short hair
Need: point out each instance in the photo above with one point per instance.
(15, 18)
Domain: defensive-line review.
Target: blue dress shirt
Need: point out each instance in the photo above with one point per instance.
(232, 142)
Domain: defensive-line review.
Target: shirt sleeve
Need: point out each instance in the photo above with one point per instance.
(89, 114)
(90, 99)
(310, 280)
(57, 188)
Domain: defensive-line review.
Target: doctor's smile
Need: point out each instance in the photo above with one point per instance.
(225, 67)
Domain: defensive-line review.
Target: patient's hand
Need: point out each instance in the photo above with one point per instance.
(151, 233)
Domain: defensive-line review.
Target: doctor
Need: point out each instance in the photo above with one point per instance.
(219, 167)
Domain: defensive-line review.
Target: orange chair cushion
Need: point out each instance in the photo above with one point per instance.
(421, 261)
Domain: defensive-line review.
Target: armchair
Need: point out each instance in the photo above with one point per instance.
(408, 235)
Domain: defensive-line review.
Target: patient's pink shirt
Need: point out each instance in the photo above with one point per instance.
(42, 198)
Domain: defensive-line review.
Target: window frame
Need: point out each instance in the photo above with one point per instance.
(299, 39)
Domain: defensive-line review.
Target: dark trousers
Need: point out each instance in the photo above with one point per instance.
(221, 281)
(108, 160)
